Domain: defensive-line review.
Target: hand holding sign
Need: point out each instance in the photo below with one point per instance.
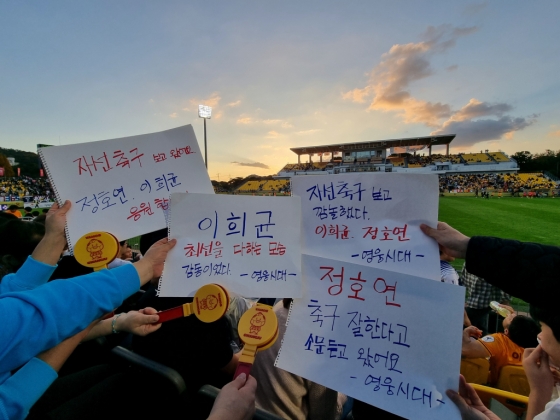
(371, 219)
(122, 185)
(370, 334)
(251, 245)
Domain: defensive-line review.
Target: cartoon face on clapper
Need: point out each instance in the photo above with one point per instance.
(209, 302)
(95, 248)
(257, 322)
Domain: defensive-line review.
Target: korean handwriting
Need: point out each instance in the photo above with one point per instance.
(212, 269)
(331, 191)
(91, 164)
(318, 315)
(379, 285)
(161, 182)
(103, 200)
(378, 329)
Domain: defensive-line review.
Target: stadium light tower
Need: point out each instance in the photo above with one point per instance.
(206, 113)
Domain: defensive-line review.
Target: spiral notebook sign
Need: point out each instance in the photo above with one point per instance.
(123, 185)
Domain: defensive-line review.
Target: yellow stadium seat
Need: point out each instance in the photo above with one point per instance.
(475, 370)
(513, 379)
(515, 402)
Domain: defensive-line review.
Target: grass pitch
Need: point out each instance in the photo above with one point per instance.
(524, 219)
(528, 220)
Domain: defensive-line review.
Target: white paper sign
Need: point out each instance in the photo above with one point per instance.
(371, 219)
(122, 186)
(250, 245)
(389, 339)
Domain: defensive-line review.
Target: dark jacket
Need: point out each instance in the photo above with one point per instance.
(525, 270)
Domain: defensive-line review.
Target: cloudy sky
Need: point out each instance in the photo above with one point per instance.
(281, 74)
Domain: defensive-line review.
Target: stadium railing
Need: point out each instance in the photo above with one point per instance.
(514, 402)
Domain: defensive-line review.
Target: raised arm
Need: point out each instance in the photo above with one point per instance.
(38, 268)
(39, 319)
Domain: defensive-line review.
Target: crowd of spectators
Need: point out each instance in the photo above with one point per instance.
(38, 188)
(504, 182)
(52, 365)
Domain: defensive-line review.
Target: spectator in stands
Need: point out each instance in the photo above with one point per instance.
(448, 273)
(59, 310)
(13, 209)
(479, 296)
(510, 265)
(23, 238)
(537, 364)
(520, 332)
(285, 394)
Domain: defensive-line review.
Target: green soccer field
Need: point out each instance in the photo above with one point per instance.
(531, 220)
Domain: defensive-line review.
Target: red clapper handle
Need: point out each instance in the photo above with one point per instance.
(243, 367)
(170, 314)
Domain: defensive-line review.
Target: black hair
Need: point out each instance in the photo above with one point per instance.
(35, 213)
(523, 331)
(28, 209)
(6, 217)
(13, 207)
(21, 239)
(550, 317)
(42, 218)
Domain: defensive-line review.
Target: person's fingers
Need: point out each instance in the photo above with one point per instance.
(431, 232)
(472, 396)
(67, 204)
(148, 311)
(250, 385)
(527, 353)
(532, 355)
(53, 208)
(442, 226)
(458, 401)
(239, 381)
(544, 360)
(152, 319)
(462, 386)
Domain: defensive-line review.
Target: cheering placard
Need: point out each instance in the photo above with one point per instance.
(250, 245)
(389, 339)
(122, 186)
(371, 219)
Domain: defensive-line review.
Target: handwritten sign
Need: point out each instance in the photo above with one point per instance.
(389, 339)
(250, 245)
(371, 219)
(122, 186)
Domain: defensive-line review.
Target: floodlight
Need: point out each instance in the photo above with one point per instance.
(204, 111)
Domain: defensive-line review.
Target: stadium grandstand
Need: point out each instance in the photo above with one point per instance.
(462, 172)
(395, 155)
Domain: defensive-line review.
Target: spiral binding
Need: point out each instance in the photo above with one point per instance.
(282, 343)
(59, 200)
(168, 238)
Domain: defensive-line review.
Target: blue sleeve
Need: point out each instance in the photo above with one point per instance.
(30, 275)
(22, 390)
(36, 320)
